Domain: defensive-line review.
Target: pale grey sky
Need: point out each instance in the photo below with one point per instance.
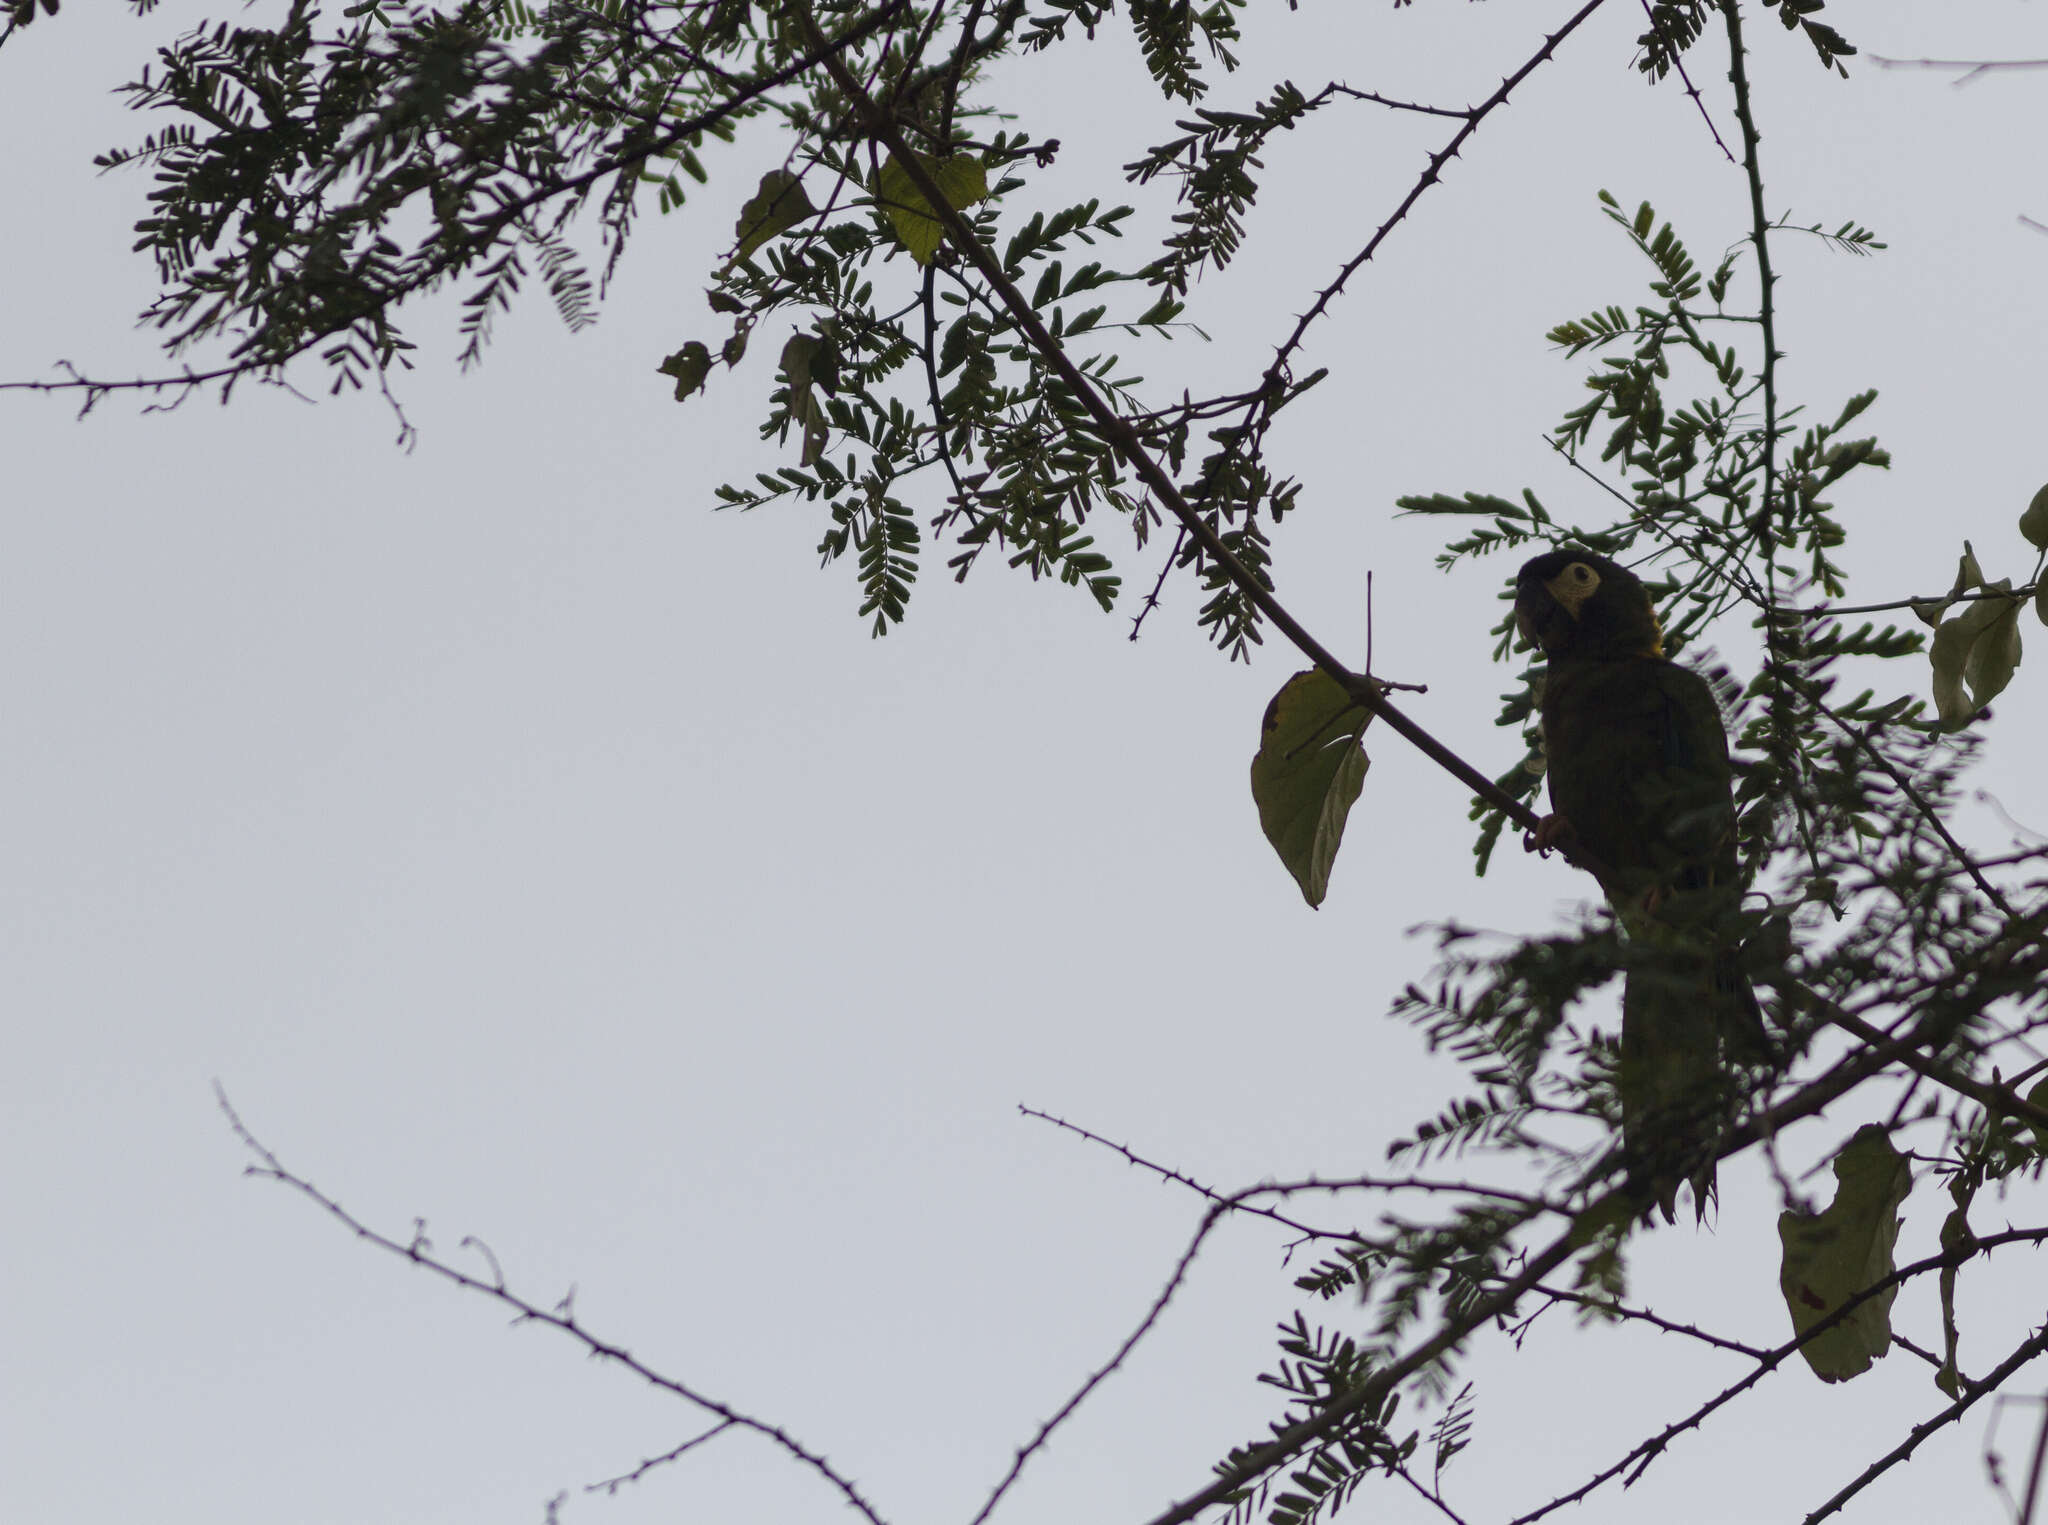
(530, 849)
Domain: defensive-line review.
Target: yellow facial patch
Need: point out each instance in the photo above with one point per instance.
(1573, 586)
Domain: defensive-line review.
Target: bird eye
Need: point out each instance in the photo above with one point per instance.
(1581, 572)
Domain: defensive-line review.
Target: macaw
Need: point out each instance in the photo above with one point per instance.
(1640, 778)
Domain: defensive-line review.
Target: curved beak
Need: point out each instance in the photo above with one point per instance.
(1541, 619)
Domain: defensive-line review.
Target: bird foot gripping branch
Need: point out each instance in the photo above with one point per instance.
(1552, 832)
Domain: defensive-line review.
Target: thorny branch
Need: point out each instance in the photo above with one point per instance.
(562, 1317)
(1989, 1383)
(1638, 1460)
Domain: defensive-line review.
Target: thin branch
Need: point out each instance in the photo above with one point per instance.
(1678, 61)
(2026, 1516)
(1645, 1316)
(1180, 539)
(1275, 373)
(1463, 113)
(1829, 611)
(612, 1485)
(1102, 1373)
(1927, 812)
(1974, 68)
(1993, 1098)
(1905, 1448)
(1429, 1493)
(1638, 1459)
(561, 1317)
(1759, 238)
(1168, 1174)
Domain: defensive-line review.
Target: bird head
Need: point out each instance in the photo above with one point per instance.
(1576, 604)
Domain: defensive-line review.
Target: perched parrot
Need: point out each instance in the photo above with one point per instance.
(1639, 776)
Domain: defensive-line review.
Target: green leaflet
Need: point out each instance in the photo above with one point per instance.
(1831, 1256)
(961, 179)
(1308, 771)
(780, 202)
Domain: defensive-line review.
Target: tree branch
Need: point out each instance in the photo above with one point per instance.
(1119, 432)
(1989, 1383)
(562, 1317)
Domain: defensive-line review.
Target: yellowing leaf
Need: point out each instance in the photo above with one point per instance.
(1978, 650)
(961, 179)
(2034, 522)
(1830, 1257)
(781, 202)
(689, 365)
(1308, 771)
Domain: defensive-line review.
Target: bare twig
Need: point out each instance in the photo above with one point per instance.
(1276, 372)
(1645, 1316)
(1102, 1373)
(614, 1484)
(1166, 1173)
(1972, 69)
(1180, 539)
(562, 1317)
(2034, 1471)
(1429, 1493)
(1678, 62)
(1463, 113)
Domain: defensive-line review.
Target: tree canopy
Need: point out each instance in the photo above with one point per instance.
(969, 363)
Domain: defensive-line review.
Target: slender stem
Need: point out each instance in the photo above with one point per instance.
(2034, 1472)
(1759, 238)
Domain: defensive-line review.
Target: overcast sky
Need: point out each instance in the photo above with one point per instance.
(530, 849)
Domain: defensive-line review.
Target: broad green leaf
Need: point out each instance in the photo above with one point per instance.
(1829, 1257)
(781, 202)
(1995, 654)
(2038, 1097)
(961, 179)
(1974, 655)
(2034, 522)
(689, 365)
(1308, 771)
